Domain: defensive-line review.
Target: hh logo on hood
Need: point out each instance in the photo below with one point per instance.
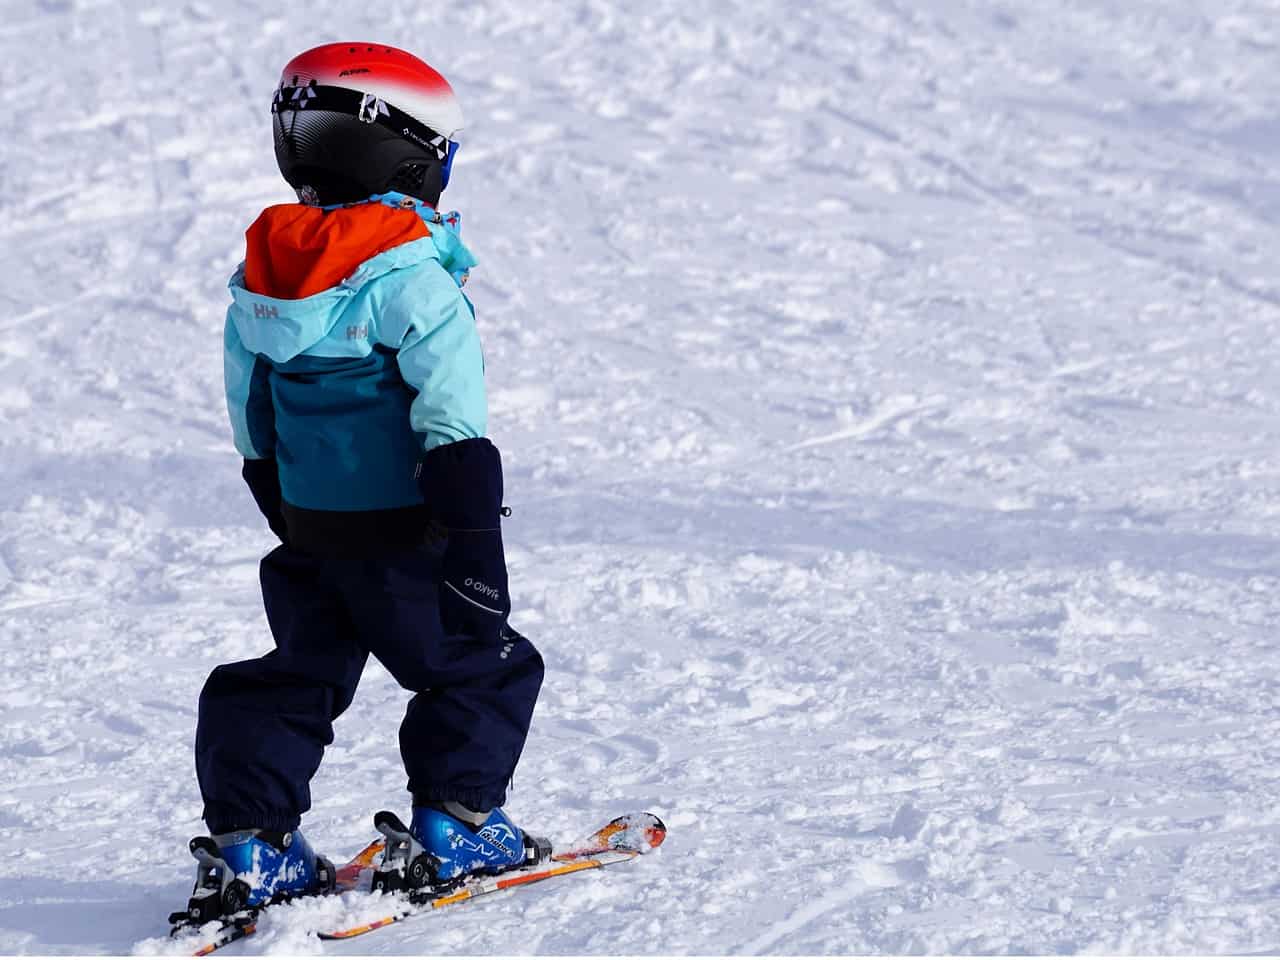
(265, 312)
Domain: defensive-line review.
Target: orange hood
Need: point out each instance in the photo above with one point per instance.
(296, 251)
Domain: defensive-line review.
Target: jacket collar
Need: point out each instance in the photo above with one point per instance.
(455, 257)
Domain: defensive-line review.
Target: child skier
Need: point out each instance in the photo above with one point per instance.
(354, 383)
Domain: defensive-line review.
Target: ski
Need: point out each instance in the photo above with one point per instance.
(245, 922)
(619, 841)
(623, 838)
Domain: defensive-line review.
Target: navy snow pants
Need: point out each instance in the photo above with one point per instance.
(264, 723)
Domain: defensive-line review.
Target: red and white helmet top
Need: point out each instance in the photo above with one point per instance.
(393, 75)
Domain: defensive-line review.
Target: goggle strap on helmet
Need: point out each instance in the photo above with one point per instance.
(448, 164)
(367, 108)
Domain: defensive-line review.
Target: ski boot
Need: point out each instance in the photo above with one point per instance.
(447, 843)
(247, 869)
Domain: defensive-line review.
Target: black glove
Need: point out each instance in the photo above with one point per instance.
(264, 483)
(462, 485)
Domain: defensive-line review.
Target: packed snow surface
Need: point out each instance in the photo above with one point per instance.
(888, 393)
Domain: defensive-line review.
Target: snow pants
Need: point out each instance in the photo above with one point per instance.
(264, 723)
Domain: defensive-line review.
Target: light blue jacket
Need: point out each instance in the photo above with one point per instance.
(348, 388)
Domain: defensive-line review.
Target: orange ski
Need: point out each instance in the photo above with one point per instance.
(620, 840)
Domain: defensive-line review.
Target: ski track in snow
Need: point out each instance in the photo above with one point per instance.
(888, 394)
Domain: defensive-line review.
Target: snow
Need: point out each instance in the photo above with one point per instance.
(888, 394)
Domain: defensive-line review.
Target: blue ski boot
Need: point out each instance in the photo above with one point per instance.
(247, 869)
(447, 843)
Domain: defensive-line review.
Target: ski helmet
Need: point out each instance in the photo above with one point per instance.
(356, 119)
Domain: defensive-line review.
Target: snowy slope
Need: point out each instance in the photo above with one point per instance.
(897, 509)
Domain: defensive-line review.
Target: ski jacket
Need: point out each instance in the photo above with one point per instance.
(350, 351)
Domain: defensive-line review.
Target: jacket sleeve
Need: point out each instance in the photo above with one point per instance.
(253, 422)
(440, 358)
